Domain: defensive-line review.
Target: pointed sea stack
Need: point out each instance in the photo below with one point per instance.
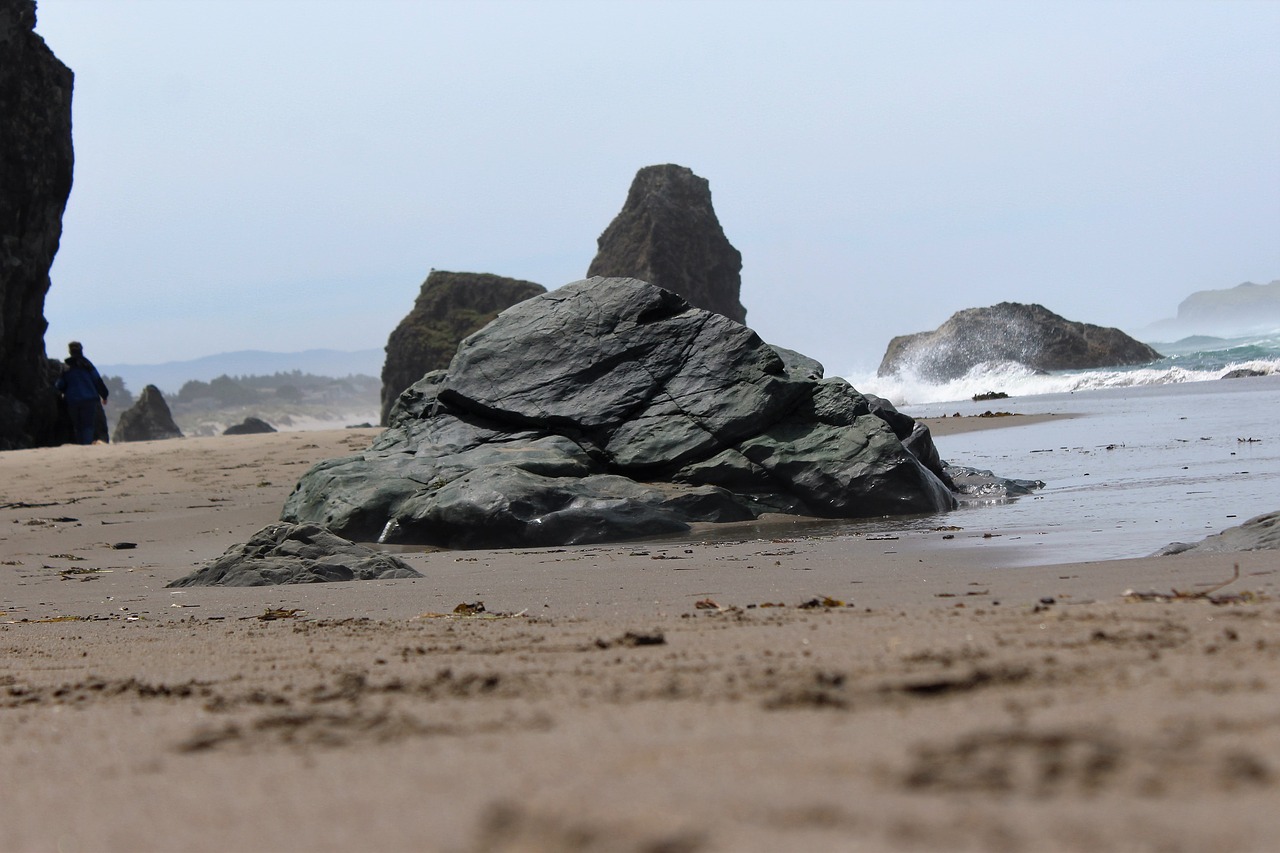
(450, 306)
(36, 162)
(147, 420)
(668, 235)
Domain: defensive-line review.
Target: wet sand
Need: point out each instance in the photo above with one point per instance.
(762, 689)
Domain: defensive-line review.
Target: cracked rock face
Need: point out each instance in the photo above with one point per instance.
(36, 162)
(610, 409)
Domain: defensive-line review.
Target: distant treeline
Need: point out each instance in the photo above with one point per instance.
(292, 386)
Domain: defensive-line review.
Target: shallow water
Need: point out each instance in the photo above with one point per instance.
(1137, 468)
(1132, 470)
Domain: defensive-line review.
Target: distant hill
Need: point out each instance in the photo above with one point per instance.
(1244, 309)
(170, 376)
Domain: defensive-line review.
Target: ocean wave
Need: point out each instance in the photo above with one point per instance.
(1017, 380)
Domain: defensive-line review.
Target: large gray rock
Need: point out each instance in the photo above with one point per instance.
(667, 234)
(36, 161)
(296, 553)
(148, 419)
(1260, 533)
(450, 306)
(1031, 335)
(609, 409)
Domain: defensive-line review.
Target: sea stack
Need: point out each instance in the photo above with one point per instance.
(1030, 335)
(668, 235)
(148, 419)
(35, 181)
(450, 306)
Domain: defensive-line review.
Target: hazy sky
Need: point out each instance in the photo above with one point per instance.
(282, 174)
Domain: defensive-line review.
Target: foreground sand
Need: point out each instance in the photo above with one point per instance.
(635, 697)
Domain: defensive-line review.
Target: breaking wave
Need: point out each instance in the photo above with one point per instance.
(1198, 359)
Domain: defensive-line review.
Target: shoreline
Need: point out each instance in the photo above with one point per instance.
(881, 691)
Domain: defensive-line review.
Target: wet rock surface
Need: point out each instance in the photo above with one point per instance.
(610, 409)
(1243, 373)
(978, 484)
(296, 553)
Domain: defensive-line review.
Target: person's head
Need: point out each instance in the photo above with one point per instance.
(75, 348)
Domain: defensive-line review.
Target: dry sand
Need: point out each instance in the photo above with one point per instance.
(641, 697)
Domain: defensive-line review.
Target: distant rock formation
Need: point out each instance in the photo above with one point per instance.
(296, 553)
(1241, 310)
(36, 161)
(450, 306)
(609, 409)
(148, 419)
(1030, 335)
(667, 234)
(249, 426)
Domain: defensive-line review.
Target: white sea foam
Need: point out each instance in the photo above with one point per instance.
(1017, 380)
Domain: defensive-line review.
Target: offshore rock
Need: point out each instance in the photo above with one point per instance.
(36, 161)
(667, 234)
(610, 409)
(148, 419)
(296, 553)
(450, 306)
(1030, 335)
(249, 426)
(1260, 533)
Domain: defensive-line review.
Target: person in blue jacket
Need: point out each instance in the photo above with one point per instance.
(84, 391)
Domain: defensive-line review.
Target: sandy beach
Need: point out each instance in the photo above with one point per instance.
(760, 689)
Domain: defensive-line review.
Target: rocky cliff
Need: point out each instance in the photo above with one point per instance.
(1031, 335)
(35, 180)
(450, 306)
(667, 234)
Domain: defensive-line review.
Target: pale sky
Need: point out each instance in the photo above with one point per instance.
(282, 174)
